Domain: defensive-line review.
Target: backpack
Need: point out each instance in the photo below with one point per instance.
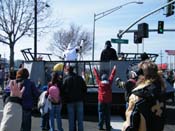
(54, 94)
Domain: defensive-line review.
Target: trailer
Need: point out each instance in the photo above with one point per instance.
(39, 70)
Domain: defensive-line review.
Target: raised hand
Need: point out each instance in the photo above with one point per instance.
(15, 90)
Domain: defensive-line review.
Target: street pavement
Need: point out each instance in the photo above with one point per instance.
(91, 121)
(88, 125)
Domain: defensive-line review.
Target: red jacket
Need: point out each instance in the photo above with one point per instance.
(104, 87)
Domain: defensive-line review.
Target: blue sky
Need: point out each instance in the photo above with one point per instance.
(81, 12)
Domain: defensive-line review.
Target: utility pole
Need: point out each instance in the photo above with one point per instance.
(35, 30)
(161, 55)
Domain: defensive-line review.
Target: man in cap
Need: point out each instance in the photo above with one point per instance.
(108, 53)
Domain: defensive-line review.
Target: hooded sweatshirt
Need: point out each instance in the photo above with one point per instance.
(104, 87)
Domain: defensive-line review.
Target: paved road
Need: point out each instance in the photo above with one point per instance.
(89, 125)
(90, 122)
(170, 119)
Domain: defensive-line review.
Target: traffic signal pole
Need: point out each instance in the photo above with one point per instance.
(152, 30)
(121, 33)
(105, 13)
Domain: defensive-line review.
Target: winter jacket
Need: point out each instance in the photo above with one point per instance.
(74, 88)
(30, 95)
(12, 115)
(108, 54)
(104, 87)
(146, 111)
(44, 104)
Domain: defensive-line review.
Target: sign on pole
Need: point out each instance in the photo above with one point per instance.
(170, 52)
(119, 41)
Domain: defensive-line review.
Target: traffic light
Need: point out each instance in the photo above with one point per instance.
(137, 38)
(160, 27)
(170, 8)
(143, 30)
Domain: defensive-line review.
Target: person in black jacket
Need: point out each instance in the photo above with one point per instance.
(108, 53)
(74, 91)
(146, 109)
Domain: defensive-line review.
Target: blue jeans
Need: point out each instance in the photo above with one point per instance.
(45, 121)
(55, 112)
(75, 109)
(26, 120)
(104, 115)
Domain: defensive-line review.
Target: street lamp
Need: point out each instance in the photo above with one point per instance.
(105, 13)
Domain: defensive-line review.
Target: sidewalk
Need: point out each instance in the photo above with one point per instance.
(116, 123)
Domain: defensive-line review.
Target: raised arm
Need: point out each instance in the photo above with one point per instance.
(96, 75)
(113, 72)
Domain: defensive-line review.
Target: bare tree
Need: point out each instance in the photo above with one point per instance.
(17, 20)
(73, 35)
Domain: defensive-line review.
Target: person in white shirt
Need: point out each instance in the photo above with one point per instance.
(71, 53)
